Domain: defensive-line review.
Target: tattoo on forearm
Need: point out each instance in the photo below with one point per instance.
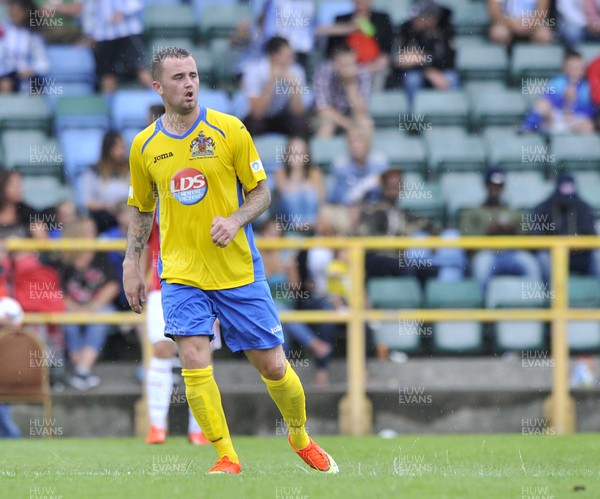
(257, 201)
(138, 233)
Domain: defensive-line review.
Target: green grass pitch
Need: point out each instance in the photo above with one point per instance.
(436, 467)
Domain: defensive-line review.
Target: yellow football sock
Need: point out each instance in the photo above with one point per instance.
(288, 395)
(204, 400)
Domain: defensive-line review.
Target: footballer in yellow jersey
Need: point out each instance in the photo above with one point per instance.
(202, 170)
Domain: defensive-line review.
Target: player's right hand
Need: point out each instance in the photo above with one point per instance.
(135, 289)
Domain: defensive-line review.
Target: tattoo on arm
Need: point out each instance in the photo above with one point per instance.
(257, 201)
(138, 233)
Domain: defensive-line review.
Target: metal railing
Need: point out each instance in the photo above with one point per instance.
(355, 409)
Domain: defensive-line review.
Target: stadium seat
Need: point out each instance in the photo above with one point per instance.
(404, 337)
(586, 177)
(325, 151)
(164, 21)
(589, 51)
(72, 64)
(459, 294)
(32, 152)
(442, 107)
(215, 99)
(576, 151)
(81, 111)
(526, 189)
(205, 60)
(398, 10)
(519, 335)
(503, 107)
(81, 149)
(223, 19)
(157, 44)
(394, 292)
(583, 336)
(44, 191)
(426, 201)
(406, 152)
(517, 152)
(584, 292)
(462, 190)
(482, 61)
(516, 292)
(468, 17)
(535, 61)
(163, 2)
(590, 193)
(240, 106)
(130, 108)
(385, 107)
(458, 337)
(271, 149)
(451, 154)
(19, 112)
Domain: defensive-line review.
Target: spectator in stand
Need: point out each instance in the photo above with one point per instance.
(382, 216)
(115, 258)
(293, 20)
(519, 20)
(16, 217)
(566, 106)
(24, 61)
(61, 215)
(358, 173)
(300, 188)
(90, 286)
(369, 34)
(283, 279)
(115, 32)
(424, 51)
(102, 188)
(578, 21)
(341, 89)
(564, 213)
(275, 86)
(495, 218)
(59, 20)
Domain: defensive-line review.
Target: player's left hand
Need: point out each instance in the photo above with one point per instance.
(224, 230)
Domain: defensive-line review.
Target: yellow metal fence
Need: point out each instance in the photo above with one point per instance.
(355, 409)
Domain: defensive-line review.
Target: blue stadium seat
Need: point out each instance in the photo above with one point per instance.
(169, 21)
(44, 191)
(271, 149)
(72, 63)
(81, 149)
(32, 152)
(240, 106)
(81, 111)
(215, 99)
(130, 108)
(328, 10)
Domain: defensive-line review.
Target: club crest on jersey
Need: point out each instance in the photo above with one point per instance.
(202, 145)
(188, 186)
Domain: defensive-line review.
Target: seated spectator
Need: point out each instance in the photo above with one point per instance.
(16, 217)
(293, 20)
(61, 215)
(300, 188)
(59, 20)
(357, 174)
(369, 33)
(102, 188)
(89, 286)
(566, 106)
(495, 218)
(282, 276)
(564, 213)
(115, 258)
(425, 53)
(519, 20)
(24, 61)
(341, 89)
(114, 29)
(578, 21)
(274, 87)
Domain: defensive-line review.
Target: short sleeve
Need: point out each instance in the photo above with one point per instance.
(141, 187)
(246, 161)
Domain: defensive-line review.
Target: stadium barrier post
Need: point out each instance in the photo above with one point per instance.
(355, 409)
(559, 407)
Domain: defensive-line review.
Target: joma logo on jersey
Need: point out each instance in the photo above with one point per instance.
(188, 186)
(163, 156)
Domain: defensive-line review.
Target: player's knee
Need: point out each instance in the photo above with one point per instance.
(163, 349)
(194, 354)
(273, 370)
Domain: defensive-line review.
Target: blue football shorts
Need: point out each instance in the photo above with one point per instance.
(249, 319)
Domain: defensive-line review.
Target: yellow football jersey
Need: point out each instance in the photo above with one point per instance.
(195, 177)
